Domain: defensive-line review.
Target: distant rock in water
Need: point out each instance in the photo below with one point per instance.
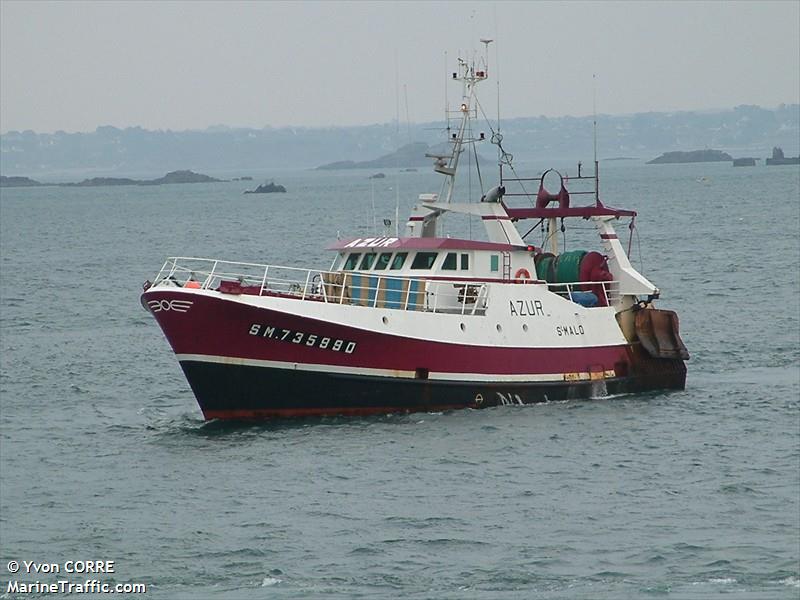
(746, 161)
(173, 177)
(694, 156)
(169, 178)
(778, 158)
(18, 182)
(182, 177)
(267, 188)
(378, 176)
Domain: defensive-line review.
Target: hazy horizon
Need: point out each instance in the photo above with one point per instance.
(182, 66)
(225, 126)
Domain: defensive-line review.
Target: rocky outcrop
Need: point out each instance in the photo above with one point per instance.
(18, 182)
(695, 156)
(267, 188)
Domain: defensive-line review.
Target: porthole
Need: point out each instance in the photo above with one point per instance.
(463, 327)
(499, 328)
(524, 327)
(385, 320)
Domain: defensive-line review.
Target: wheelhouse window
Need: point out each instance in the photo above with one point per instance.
(465, 262)
(450, 262)
(494, 262)
(352, 261)
(366, 262)
(384, 258)
(338, 261)
(399, 261)
(424, 260)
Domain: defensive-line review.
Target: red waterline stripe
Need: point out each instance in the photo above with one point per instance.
(247, 414)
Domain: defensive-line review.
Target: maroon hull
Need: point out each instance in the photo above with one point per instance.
(275, 378)
(220, 328)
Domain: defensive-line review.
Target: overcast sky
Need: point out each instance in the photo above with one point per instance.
(188, 65)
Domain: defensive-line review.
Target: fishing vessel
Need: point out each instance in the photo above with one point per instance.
(424, 321)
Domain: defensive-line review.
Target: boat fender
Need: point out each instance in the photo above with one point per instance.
(522, 276)
(494, 194)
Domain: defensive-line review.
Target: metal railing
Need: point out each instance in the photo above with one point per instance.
(606, 292)
(355, 288)
(368, 289)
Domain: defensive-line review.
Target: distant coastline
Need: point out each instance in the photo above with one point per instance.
(744, 130)
(170, 178)
(410, 155)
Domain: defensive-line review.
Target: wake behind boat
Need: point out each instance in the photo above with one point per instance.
(425, 322)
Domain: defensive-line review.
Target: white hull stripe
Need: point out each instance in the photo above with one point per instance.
(340, 369)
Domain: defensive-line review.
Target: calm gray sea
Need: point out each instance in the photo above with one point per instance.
(104, 455)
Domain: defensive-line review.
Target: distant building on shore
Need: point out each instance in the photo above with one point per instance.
(779, 159)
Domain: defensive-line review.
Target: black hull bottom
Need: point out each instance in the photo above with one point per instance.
(240, 392)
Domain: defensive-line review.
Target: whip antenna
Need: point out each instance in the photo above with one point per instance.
(594, 127)
(397, 144)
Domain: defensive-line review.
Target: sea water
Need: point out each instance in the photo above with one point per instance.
(104, 454)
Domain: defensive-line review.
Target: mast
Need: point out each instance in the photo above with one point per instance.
(469, 75)
(397, 143)
(594, 135)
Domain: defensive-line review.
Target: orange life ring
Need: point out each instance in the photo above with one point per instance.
(522, 275)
